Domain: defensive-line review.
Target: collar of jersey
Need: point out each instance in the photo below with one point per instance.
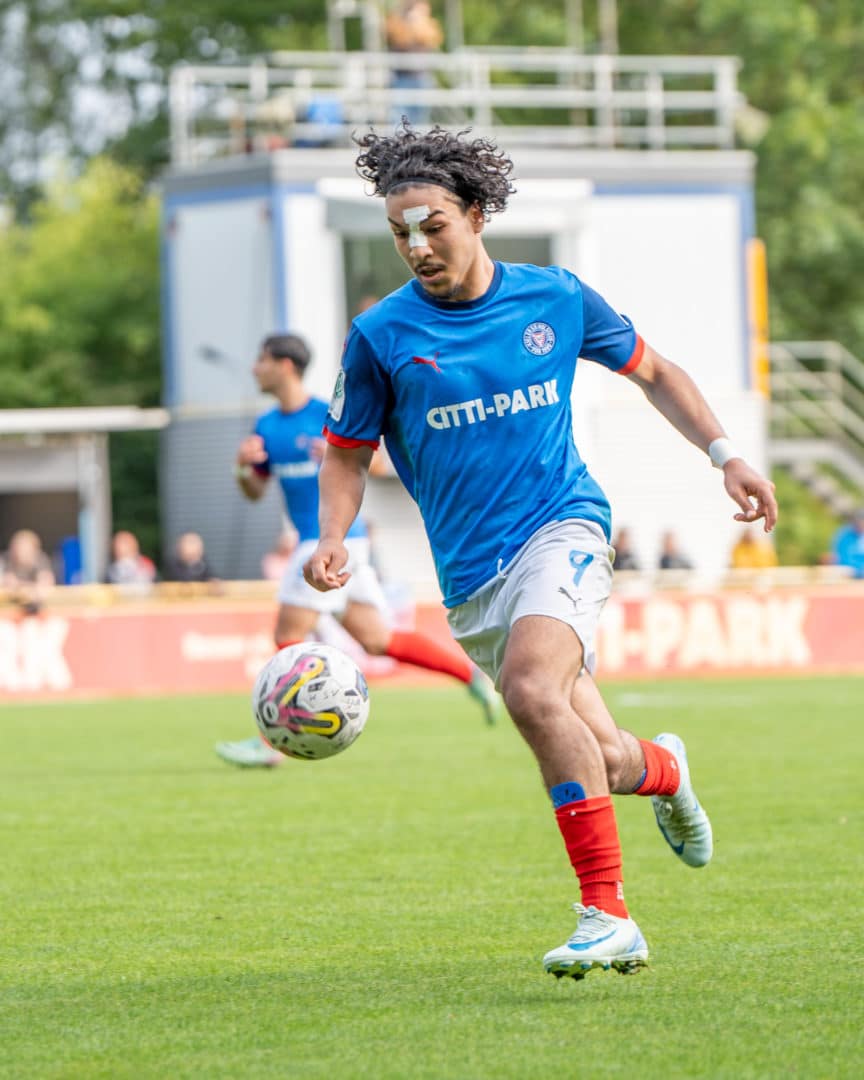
(462, 305)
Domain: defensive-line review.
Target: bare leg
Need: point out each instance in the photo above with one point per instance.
(294, 623)
(621, 750)
(539, 677)
(570, 743)
(366, 625)
(540, 670)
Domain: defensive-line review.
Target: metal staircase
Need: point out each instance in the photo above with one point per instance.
(817, 419)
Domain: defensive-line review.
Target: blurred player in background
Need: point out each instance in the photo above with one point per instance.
(287, 443)
(467, 372)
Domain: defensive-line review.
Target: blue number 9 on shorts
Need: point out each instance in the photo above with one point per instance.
(580, 561)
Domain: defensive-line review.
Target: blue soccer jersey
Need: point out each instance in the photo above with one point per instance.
(288, 440)
(473, 400)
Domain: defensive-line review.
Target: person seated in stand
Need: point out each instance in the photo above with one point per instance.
(625, 553)
(128, 566)
(27, 574)
(189, 561)
(752, 552)
(671, 556)
(275, 561)
(847, 547)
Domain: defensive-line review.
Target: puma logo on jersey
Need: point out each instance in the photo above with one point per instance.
(430, 363)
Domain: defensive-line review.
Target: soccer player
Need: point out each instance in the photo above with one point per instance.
(467, 372)
(287, 443)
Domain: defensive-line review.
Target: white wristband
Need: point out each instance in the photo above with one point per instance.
(720, 451)
(241, 472)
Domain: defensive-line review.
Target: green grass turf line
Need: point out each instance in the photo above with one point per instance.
(383, 914)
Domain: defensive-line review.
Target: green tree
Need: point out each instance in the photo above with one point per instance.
(79, 317)
(801, 67)
(79, 295)
(82, 76)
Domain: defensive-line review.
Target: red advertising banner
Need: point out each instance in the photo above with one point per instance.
(211, 647)
(783, 630)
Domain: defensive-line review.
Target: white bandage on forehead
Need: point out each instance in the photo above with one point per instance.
(413, 216)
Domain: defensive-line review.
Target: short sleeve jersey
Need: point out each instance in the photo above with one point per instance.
(288, 440)
(473, 401)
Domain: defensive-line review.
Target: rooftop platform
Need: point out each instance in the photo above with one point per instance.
(533, 97)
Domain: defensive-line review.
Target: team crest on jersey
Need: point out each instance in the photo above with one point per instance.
(337, 402)
(538, 338)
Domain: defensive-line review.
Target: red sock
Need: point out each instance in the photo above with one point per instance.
(591, 838)
(661, 776)
(413, 648)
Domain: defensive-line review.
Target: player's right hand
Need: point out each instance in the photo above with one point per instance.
(251, 451)
(325, 568)
(752, 492)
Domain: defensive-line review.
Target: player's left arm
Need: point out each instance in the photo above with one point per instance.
(674, 394)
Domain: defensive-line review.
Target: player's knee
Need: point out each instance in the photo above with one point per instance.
(525, 705)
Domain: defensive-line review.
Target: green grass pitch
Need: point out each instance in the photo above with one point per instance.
(383, 914)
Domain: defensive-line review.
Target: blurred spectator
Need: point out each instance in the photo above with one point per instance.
(26, 571)
(671, 556)
(411, 28)
(625, 554)
(274, 562)
(128, 566)
(752, 551)
(189, 562)
(847, 546)
(323, 120)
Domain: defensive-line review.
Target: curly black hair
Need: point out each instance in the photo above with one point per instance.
(475, 170)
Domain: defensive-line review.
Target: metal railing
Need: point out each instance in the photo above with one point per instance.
(817, 391)
(817, 417)
(542, 96)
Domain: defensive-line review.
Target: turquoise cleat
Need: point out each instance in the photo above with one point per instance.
(683, 822)
(252, 753)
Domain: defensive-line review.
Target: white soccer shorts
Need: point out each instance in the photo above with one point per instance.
(563, 572)
(363, 587)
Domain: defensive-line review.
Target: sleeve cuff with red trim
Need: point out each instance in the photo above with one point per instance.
(349, 444)
(635, 358)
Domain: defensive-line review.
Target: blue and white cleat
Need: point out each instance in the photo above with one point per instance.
(252, 753)
(600, 941)
(482, 690)
(681, 819)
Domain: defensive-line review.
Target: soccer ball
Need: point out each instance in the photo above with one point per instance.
(310, 701)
